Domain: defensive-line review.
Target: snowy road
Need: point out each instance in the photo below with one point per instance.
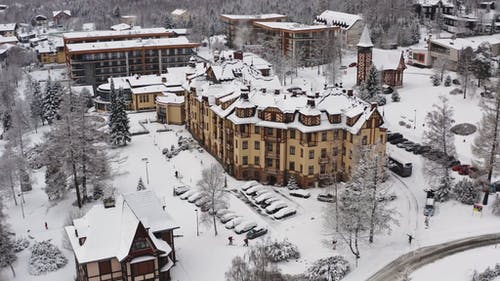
(413, 260)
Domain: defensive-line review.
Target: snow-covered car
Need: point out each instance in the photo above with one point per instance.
(194, 197)
(300, 193)
(221, 212)
(252, 190)
(259, 199)
(429, 207)
(256, 232)
(248, 185)
(202, 201)
(187, 194)
(261, 191)
(269, 201)
(328, 197)
(285, 212)
(244, 227)
(228, 217)
(234, 223)
(179, 190)
(276, 206)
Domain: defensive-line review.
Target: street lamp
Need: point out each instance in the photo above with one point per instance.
(146, 162)
(415, 121)
(197, 228)
(22, 203)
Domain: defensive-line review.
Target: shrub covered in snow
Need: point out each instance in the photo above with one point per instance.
(45, 257)
(328, 269)
(495, 209)
(21, 244)
(489, 274)
(278, 251)
(447, 81)
(466, 191)
(436, 81)
(395, 96)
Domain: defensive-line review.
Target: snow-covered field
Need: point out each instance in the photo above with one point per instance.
(206, 257)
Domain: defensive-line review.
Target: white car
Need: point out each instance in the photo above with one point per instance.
(245, 227)
(300, 193)
(221, 212)
(259, 199)
(248, 185)
(261, 191)
(269, 201)
(285, 212)
(252, 190)
(276, 206)
(227, 217)
(187, 194)
(194, 197)
(234, 223)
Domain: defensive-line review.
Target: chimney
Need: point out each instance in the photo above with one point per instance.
(164, 79)
(276, 92)
(317, 95)
(244, 96)
(349, 93)
(311, 102)
(373, 105)
(81, 240)
(238, 55)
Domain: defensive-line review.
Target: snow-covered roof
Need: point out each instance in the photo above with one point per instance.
(4, 48)
(109, 232)
(149, 210)
(179, 12)
(169, 98)
(138, 43)
(386, 59)
(79, 89)
(67, 12)
(345, 20)
(365, 40)
(446, 3)
(4, 27)
(291, 26)
(8, 39)
(254, 17)
(473, 42)
(149, 89)
(89, 26)
(110, 33)
(121, 27)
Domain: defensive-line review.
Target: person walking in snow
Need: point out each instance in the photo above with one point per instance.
(410, 238)
(46, 225)
(230, 238)
(246, 242)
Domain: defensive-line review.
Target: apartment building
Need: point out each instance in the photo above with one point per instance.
(95, 62)
(240, 29)
(258, 132)
(350, 25)
(133, 240)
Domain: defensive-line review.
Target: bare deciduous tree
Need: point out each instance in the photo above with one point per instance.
(212, 187)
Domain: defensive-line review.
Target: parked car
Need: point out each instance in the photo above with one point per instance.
(285, 212)
(253, 190)
(259, 199)
(227, 217)
(397, 140)
(248, 185)
(202, 201)
(269, 201)
(422, 149)
(388, 197)
(194, 197)
(300, 193)
(464, 170)
(353, 64)
(405, 144)
(328, 197)
(245, 227)
(186, 194)
(221, 212)
(261, 191)
(234, 223)
(392, 136)
(256, 232)
(455, 82)
(342, 67)
(412, 147)
(276, 206)
(179, 190)
(387, 90)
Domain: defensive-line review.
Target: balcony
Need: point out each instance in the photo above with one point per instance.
(243, 134)
(272, 138)
(324, 176)
(272, 155)
(324, 159)
(272, 171)
(308, 143)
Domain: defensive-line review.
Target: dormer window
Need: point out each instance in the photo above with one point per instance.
(140, 243)
(81, 240)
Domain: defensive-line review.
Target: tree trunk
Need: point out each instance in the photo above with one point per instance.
(12, 268)
(12, 188)
(493, 153)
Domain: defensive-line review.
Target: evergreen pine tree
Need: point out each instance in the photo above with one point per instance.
(435, 80)
(36, 105)
(55, 179)
(118, 119)
(52, 100)
(140, 185)
(371, 87)
(466, 191)
(7, 244)
(447, 81)
(395, 96)
(292, 183)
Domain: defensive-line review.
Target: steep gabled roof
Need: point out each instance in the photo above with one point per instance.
(364, 40)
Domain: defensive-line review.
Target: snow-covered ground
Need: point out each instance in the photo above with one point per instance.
(206, 257)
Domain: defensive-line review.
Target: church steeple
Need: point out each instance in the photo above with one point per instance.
(365, 46)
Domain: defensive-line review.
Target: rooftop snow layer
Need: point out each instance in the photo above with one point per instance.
(7, 27)
(106, 33)
(138, 43)
(473, 42)
(253, 17)
(339, 17)
(365, 40)
(291, 26)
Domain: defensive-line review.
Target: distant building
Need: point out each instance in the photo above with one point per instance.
(240, 28)
(40, 20)
(129, 19)
(351, 25)
(51, 51)
(60, 17)
(296, 40)
(8, 29)
(133, 240)
(430, 9)
(180, 15)
(121, 26)
(390, 66)
(8, 40)
(93, 57)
